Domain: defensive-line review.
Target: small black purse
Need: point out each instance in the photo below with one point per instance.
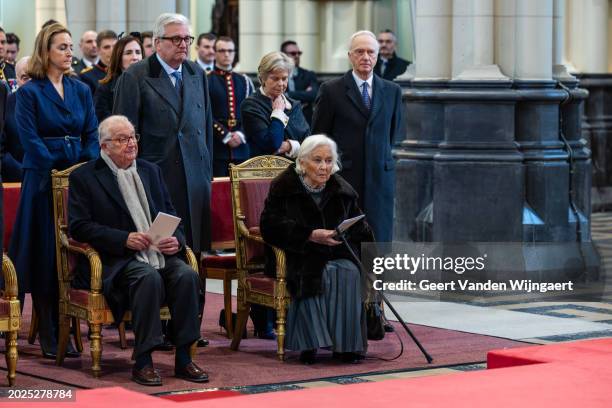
(374, 321)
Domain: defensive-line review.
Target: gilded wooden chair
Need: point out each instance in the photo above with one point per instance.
(10, 317)
(83, 304)
(250, 183)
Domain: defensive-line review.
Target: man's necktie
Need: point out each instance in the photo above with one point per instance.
(178, 81)
(366, 95)
(383, 68)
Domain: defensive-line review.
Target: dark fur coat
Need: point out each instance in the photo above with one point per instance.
(290, 215)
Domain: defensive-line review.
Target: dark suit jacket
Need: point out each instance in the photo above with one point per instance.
(176, 134)
(364, 139)
(302, 81)
(92, 76)
(396, 66)
(103, 99)
(98, 215)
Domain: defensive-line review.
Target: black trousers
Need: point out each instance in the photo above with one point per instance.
(176, 285)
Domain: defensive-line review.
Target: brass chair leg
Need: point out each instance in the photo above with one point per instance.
(227, 299)
(11, 356)
(78, 341)
(33, 327)
(62, 342)
(243, 315)
(96, 348)
(281, 313)
(122, 340)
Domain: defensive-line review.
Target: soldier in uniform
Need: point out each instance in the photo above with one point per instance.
(227, 91)
(89, 50)
(7, 71)
(91, 76)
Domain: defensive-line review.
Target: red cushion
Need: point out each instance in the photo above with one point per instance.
(4, 307)
(11, 204)
(213, 261)
(253, 195)
(261, 283)
(221, 217)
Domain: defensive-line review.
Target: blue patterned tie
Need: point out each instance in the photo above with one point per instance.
(366, 96)
(178, 83)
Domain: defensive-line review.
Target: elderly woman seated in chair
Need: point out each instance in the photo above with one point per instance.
(306, 202)
(112, 203)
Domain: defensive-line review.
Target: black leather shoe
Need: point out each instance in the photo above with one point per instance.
(348, 358)
(191, 372)
(147, 375)
(308, 357)
(389, 327)
(165, 346)
(50, 354)
(71, 351)
(202, 342)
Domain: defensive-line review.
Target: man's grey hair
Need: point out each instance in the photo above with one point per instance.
(168, 18)
(105, 130)
(311, 143)
(364, 33)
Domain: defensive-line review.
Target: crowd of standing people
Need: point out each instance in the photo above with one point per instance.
(138, 94)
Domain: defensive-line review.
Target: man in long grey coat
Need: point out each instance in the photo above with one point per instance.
(166, 98)
(362, 113)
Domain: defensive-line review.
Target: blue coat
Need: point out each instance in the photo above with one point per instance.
(364, 139)
(55, 134)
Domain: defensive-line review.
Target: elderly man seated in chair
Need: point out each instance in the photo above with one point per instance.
(112, 203)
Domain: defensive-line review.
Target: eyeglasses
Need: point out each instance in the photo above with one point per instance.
(176, 40)
(125, 140)
(295, 53)
(222, 51)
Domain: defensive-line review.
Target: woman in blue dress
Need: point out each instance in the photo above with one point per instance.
(57, 127)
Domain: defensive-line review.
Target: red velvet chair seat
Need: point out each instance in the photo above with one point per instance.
(261, 283)
(215, 261)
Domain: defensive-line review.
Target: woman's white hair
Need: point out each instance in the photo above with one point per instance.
(311, 143)
(271, 62)
(105, 130)
(164, 19)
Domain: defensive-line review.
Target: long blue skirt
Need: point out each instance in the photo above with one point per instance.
(335, 319)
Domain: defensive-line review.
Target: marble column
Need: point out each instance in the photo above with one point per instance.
(81, 17)
(141, 14)
(111, 15)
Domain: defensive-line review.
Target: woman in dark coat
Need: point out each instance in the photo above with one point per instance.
(57, 127)
(273, 123)
(305, 204)
(127, 51)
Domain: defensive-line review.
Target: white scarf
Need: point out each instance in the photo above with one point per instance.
(135, 197)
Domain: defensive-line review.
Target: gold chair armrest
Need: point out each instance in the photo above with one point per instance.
(191, 259)
(281, 263)
(95, 264)
(11, 288)
(244, 231)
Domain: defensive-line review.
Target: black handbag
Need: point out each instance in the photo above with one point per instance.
(374, 321)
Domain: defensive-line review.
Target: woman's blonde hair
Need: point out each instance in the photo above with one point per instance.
(39, 63)
(273, 61)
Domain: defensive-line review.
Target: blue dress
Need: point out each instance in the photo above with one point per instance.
(55, 134)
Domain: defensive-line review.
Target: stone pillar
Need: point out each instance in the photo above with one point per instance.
(141, 14)
(50, 9)
(433, 39)
(261, 27)
(301, 24)
(111, 15)
(483, 158)
(587, 50)
(81, 17)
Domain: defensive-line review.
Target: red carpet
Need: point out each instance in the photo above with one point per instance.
(569, 375)
(255, 363)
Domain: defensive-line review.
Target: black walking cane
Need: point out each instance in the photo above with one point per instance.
(341, 235)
